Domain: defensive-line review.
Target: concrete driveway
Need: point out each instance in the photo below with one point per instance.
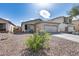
(68, 36)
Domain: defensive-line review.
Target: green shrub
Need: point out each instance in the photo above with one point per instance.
(37, 41)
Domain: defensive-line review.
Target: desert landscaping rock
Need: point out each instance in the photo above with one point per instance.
(63, 47)
(14, 46)
(59, 47)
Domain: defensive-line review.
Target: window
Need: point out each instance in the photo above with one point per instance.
(66, 20)
(2, 26)
(70, 20)
(25, 27)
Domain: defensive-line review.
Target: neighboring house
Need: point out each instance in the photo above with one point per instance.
(6, 26)
(61, 19)
(59, 24)
(28, 25)
(65, 24)
(76, 24)
(17, 29)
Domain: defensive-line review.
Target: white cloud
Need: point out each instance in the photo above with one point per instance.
(45, 14)
(76, 18)
(27, 19)
(6, 18)
(32, 18)
(22, 20)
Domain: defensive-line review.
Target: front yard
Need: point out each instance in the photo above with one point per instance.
(14, 46)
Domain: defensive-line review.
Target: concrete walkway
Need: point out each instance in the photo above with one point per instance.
(68, 36)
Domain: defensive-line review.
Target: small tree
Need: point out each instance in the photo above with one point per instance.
(73, 12)
(37, 41)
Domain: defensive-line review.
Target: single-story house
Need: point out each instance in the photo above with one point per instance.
(76, 24)
(6, 26)
(59, 24)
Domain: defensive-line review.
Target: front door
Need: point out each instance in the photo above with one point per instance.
(66, 29)
(25, 27)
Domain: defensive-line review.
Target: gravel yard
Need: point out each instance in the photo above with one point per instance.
(13, 45)
(63, 47)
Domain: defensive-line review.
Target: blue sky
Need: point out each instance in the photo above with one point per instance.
(18, 12)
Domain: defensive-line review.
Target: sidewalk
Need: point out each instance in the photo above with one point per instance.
(68, 36)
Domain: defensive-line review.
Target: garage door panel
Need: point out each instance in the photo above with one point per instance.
(50, 28)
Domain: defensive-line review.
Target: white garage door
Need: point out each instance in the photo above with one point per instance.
(50, 28)
(70, 29)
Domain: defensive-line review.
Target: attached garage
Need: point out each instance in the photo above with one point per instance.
(71, 29)
(49, 28)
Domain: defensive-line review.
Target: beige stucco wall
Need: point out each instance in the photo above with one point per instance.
(1, 21)
(23, 27)
(58, 20)
(61, 27)
(76, 24)
(40, 26)
(9, 27)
